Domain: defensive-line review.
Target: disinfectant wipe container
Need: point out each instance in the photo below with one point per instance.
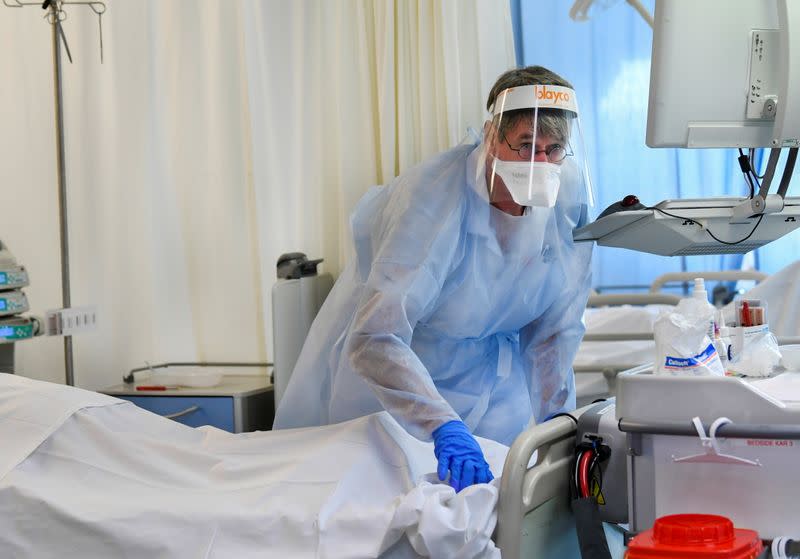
(682, 343)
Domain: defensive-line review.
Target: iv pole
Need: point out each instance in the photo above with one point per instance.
(54, 16)
(55, 26)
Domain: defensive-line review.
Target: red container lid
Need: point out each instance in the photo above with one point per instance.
(694, 535)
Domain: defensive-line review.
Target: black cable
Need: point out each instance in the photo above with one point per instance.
(564, 414)
(578, 473)
(601, 454)
(747, 171)
(752, 164)
(593, 471)
(788, 171)
(752, 185)
(713, 236)
(575, 475)
(599, 480)
(755, 178)
(740, 240)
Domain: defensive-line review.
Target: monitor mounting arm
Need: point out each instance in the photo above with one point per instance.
(763, 202)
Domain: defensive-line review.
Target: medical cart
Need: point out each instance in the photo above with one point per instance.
(238, 404)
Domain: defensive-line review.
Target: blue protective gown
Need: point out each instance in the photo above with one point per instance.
(452, 309)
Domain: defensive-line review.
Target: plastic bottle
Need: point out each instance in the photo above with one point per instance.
(721, 338)
(699, 292)
(724, 345)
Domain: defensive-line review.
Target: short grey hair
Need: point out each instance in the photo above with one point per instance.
(551, 122)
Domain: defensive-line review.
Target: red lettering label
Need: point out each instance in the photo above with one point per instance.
(769, 442)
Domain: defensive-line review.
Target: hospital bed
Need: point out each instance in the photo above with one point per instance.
(619, 330)
(89, 475)
(98, 472)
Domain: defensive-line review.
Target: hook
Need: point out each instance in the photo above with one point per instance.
(712, 452)
(99, 8)
(56, 14)
(53, 16)
(93, 4)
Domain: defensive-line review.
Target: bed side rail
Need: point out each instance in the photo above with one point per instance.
(724, 275)
(639, 299)
(523, 489)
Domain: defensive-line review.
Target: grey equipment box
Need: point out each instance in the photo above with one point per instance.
(746, 472)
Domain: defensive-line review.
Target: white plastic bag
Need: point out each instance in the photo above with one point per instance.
(682, 344)
(755, 351)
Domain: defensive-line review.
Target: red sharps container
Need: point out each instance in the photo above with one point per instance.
(687, 536)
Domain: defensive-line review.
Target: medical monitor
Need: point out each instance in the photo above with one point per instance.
(725, 73)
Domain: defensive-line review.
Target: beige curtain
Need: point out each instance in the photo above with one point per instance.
(216, 136)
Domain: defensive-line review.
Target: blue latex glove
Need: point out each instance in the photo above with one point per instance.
(459, 453)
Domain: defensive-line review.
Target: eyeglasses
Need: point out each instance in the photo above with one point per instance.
(556, 153)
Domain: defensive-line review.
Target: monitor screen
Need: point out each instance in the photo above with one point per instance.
(715, 75)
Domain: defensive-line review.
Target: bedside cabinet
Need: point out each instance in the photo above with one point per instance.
(239, 403)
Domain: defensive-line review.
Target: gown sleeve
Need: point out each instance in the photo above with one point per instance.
(412, 248)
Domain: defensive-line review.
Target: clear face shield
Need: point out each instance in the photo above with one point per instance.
(533, 148)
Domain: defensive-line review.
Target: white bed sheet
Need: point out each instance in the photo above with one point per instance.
(86, 475)
(781, 292)
(597, 356)
(615, 320)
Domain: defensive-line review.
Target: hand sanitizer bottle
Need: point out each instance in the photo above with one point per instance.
(699, 292)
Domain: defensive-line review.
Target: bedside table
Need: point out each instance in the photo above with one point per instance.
(239, 403)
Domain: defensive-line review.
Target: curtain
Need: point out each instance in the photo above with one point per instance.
(608, 61)
(216, 136)
(160, 224)
(379, 86)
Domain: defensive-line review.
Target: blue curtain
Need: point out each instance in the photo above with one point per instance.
(607, 59)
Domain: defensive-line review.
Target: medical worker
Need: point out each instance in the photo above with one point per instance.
(462, 311)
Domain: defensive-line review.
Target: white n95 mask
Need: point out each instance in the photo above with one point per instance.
(533, 145)
(530, 183)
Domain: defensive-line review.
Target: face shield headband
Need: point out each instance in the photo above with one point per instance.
(527, 169)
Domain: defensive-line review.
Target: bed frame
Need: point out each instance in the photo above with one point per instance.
(534, 517)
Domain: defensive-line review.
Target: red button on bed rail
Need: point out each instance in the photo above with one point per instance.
(694, 535)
